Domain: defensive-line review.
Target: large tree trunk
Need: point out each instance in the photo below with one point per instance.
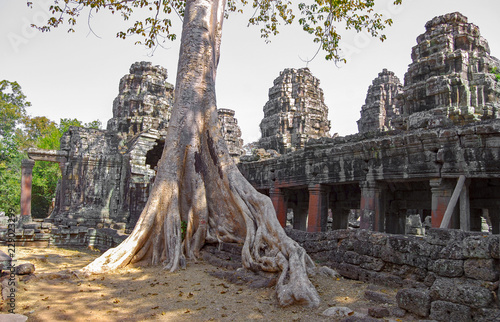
(199, 183)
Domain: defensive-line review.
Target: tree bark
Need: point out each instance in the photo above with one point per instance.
(199, 183)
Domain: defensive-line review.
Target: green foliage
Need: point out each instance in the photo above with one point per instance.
(318, 18)
(18, 133)
(12, 113)
(183, 229)
(495, 71)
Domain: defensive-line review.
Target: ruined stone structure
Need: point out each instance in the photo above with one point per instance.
(381, 104)
(450, 80)
(107, 174)
(294, 113)
(231, 132)
(144, 101)
(416, 141)
(428, 151)
(448, 275)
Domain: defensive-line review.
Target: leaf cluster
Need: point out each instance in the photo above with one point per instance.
(496, 72)
(155, 27)
(317, 17)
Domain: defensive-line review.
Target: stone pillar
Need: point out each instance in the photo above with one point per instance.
(26, 178)
(318, 208)
(372, 210)
(280, 204)
(340, 216)
(442, 191)
(475, 219)
(494, 214)
(465, 207)
(300, 216)
(62, 187)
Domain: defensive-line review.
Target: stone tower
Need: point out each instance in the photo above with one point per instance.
(381, 104)
(144, 101)
(452, 77)
(231, 132)
(294, 113)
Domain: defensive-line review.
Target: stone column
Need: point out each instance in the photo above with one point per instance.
(494, 214)
(340, 217)
(318, 208)
(372, 210)
(465, 207)
(62, 187)
(442, 191)
(280, 204)
(26, 178)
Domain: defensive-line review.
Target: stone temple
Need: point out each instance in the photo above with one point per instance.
(107, 174)
(295, 112)
(422, 175)
(381, 105)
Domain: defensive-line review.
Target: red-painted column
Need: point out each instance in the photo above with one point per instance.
(26, 178)
(279, 203)
(318, 208)
(441, 190)
(371, 206)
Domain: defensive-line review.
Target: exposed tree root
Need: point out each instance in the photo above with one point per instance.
(199, 184)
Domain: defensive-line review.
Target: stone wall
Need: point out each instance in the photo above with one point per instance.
(294, 113)
(44, 234)
(449, 275)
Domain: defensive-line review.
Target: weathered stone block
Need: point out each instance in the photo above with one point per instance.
(378, 297)
(476, 247)
(462, 291)
(495, 246)
(447, 311)
(482, 269)
(415, 260)
(371, 263)
(409, 244)
(348, 270)
(442, 236)
(415, 301)
(25, 269)
(486, 315)
(454, 250)
(447, 267)
(366, 248)
(352, 258)
(42, 236)
(378, 312)
(32, 225)
(29, 232)
(388, 254)
(386, 279)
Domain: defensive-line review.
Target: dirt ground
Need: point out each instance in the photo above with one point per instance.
(152, 294)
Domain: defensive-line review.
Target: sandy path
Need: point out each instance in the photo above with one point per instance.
(149, 293)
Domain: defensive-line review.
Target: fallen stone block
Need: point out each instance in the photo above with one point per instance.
(414, 301)
(447, 311)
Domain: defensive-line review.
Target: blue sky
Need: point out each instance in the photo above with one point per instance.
(77, 75)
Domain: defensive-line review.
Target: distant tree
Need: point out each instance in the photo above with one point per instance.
(12, 113)
(18, 132)
(197, 181)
